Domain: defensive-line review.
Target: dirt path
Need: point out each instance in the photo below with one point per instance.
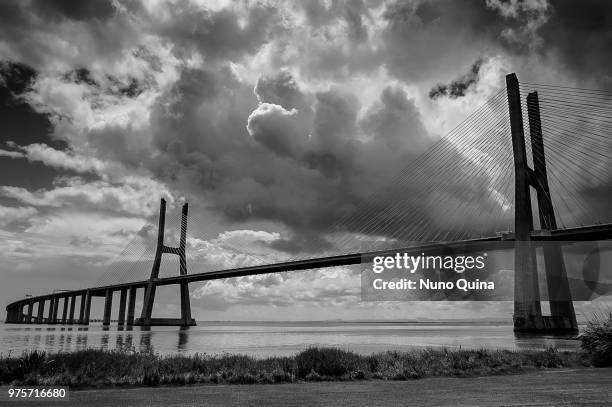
(580, 387)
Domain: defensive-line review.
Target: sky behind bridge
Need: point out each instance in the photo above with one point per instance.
(270, 118)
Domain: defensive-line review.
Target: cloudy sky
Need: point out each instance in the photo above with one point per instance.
(270, 118)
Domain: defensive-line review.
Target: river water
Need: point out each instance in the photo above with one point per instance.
(262, 339)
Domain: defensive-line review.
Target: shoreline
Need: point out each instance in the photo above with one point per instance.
(261, 339)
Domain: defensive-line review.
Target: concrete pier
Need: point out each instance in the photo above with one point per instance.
(108, 306)
(131, 306)
(65, 310)
(30, 311)
(122, 303)
(72, 305)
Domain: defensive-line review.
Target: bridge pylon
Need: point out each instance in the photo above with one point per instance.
(527, 308)
(149, 296)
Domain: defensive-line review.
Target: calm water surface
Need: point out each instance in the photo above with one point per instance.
(262, 339)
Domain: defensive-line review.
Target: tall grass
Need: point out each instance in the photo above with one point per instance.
(596, 339)
(94, 368)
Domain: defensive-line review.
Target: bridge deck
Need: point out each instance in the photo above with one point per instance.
(583, 233)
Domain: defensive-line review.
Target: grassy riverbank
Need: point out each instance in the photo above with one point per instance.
(98, 368)
(597, 339)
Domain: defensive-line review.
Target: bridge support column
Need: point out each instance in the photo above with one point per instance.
(85, 308)
(149, 296)
(10, 315)
(72, 305)
(122, 301)
(41, 310)
(186, 318)
(131, 306)
(82, 308)
(20, 316)
(147, 305)
(527, 309)
(56, 302)
(186, 305)
(108, 306)
(30, 311)
(65, 311)
(50, 313)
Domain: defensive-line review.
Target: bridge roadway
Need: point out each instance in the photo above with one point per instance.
(15, 310)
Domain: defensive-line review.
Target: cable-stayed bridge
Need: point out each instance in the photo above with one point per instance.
(532, 164)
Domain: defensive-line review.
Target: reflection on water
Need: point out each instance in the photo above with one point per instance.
(271, 338)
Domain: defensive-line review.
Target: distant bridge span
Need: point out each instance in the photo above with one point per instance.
(585, 233)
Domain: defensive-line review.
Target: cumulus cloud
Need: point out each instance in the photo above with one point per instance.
(396, 121)
(274, 127)
(11, 154)
(225, 33)
(534, 13)
(235, 248)
(10, 214)
(329, 287)
(132, 197)
(59, 159)
(281, 89)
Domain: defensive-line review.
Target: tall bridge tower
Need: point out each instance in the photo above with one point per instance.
(527, 309)
(149, 296)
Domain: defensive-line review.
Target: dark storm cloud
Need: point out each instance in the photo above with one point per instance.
(81, 75)
(130, 87)
(353, 12)
(12, 18)
(340, 161)
(335, 119)
(390, 120)
(21, 124)
(313, 162)
(423, 39)
(217, 34)
(579, 34)
(574, 37)
(15, 78)
(280, 89)
(458, 87)
(75, 9)
(68, 33)
(274, 127)
(206, 113)
(199, 129)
